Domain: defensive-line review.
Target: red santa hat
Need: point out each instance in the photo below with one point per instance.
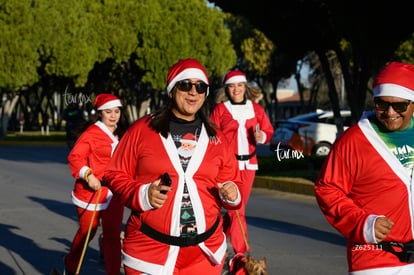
(189, 138)
(107, 101)
(397, 80)
(185, 69)
(234, 77)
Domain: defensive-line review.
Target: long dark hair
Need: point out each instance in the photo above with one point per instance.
(160, 119)
(122, 126)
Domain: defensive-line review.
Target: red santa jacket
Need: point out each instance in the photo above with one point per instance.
(92, 150)
(362, 179)
(238, 123)
(141, 157)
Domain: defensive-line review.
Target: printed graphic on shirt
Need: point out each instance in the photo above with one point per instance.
(186, 149)
(188, 143)
(405, 154)
(401, 144)
(187, 219)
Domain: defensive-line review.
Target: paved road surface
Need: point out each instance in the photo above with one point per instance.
(38, 221)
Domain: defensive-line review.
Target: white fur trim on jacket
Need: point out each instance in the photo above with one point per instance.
(91, 206)
(105, 129)
(82, 171)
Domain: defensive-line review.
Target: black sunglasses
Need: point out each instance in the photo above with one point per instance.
(187, 85)
(399, 107)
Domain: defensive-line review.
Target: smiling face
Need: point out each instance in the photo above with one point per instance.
(110, 117)
(187, 104)
(236, 91)
(392, 120)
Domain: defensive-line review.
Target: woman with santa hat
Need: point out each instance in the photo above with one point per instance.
(175, 229)
(245, 124)
(87, 161)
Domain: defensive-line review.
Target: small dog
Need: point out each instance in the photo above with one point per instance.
(244, 265)
(255, 267)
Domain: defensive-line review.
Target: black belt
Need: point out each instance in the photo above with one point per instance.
(405, 250)
(178, 241)
(245, 157)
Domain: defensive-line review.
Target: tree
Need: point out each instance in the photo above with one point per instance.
(173, 30)
(373, 29)
(87, 47)
(18, 44)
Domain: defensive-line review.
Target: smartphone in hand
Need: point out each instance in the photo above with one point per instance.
(165, 180)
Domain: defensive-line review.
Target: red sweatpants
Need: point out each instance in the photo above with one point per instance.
(231, 223)
(191, 260)
(111, 244)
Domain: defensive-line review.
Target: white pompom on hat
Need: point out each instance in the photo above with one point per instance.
(397, 80)
(107, 101)
(234, 77)
(186, 69)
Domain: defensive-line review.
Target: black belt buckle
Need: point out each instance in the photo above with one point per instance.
(242, 157)
(190, 241)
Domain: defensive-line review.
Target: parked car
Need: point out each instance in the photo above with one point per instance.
(311, 134)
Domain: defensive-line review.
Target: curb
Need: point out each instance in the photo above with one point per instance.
(32, 143)
(292, 185)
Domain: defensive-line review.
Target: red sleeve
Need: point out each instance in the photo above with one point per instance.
(333, 192)
(215, 116)
(229, 171)
(264, 122)
(120, 172)
(79, 155)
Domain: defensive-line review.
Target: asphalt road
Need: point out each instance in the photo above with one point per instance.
(38, 221)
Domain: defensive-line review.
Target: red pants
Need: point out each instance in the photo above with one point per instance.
(111, 244)
(191, 260)
(231, 224)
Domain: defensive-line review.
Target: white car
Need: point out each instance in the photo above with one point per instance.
(311, 134)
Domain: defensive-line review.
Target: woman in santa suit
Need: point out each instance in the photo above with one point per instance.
(180, 231)
(245, 124)
(87, 161)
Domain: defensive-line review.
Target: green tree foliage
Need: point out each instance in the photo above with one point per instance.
(116, 23)
(405, 52)
(69, 37)
(181, 29)
(374, 30)
(258, 52)
(61, 34)
(18, 45)
(113, 45)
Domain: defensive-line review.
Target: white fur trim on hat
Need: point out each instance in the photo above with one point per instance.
(388, 89)
(236, 79)
(111, 104)
(187, 74)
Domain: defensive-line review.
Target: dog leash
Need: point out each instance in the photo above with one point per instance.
(242, 230)
(89, 232)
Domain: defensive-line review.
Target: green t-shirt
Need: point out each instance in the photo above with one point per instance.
(400, 143)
